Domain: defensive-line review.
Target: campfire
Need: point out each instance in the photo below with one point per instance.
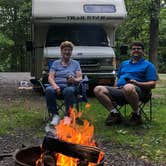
(70, 145)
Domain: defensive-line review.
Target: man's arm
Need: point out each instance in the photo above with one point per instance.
(147, 85)
(151, 75)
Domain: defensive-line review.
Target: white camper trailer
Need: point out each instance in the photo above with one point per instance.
(89, 24)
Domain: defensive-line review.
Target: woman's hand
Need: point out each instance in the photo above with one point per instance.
(58, 91)
(71, 80)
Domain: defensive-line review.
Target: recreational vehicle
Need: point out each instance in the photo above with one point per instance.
(89, 24)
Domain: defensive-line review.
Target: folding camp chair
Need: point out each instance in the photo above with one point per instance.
(80, 96)
(146, 112)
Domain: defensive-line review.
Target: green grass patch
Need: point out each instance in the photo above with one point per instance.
(145, 140)
(19, 115)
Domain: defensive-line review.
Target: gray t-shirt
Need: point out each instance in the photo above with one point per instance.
(63, 72)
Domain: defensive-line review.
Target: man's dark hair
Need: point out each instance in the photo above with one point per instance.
(137, 43)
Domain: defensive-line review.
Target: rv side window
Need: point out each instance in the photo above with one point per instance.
(80, 35)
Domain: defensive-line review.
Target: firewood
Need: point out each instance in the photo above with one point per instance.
(49, 160)
(81, 152)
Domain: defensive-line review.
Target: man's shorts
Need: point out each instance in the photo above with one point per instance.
(116, 94)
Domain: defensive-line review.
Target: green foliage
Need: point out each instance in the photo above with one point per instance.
(5, 42)
(162, 41)
(136, 28)
(15, 25)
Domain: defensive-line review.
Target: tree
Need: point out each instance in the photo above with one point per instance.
(5, 43)
(135, 26)
(144, 23)
(154, 11)
(15, 25)
(162, 41)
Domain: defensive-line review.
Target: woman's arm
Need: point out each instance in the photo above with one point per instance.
(51, 80)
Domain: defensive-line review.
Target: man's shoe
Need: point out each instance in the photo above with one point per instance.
(113, 118)
(55, 120)
(135, 119)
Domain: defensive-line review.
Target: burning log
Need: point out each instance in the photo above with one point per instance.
(82, 152)
(48, 160)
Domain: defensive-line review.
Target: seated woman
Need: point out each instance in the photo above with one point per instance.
(136, 77)
(63, 76)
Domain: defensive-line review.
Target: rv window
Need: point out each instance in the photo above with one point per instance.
(94, 8)
(80, 35)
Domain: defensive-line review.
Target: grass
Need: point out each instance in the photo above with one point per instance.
(147, 140)
(19, 113)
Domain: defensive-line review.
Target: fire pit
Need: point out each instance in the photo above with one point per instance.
(68, 145)
(29, 155)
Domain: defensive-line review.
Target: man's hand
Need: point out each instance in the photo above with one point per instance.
(133, 82)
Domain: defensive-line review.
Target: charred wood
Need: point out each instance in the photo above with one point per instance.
(81, 152)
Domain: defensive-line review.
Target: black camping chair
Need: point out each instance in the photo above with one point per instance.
(80, 95)
(146, 112)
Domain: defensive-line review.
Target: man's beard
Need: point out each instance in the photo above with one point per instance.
(136, 55)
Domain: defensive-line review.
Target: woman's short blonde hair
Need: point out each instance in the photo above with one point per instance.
(66, 44)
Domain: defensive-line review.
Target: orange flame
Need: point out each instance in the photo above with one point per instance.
(75, 133)
(87, 106)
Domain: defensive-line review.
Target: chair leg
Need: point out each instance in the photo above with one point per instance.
(141, 109)
(118, 108)
(150, 105)
(47, 116)
(60, 106)
(147, 117)
(125, 114)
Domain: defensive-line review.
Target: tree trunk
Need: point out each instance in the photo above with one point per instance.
(154, 31)
(14, 59)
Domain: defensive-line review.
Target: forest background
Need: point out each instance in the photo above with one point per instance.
(146, 21)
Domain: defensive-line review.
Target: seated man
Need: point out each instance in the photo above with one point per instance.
(63, 76)
(136, 77)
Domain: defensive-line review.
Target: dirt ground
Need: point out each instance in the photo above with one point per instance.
(115, 155)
